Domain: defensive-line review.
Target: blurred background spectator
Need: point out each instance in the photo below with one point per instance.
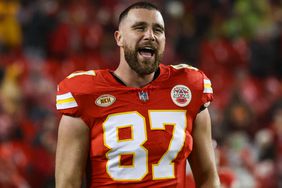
(237, 43)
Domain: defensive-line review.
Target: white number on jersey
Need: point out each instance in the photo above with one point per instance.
(164, 169)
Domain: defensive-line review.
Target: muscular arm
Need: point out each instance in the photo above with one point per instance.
(72, 152)
(202, 159)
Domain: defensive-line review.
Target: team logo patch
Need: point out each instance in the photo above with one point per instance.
(181, 95)
(105, 100)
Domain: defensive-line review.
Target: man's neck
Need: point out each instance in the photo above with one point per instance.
(132, 79)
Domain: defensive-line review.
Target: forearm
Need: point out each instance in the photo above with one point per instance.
(68, 182)
(206, 175)
(68, 174)
(207, 180)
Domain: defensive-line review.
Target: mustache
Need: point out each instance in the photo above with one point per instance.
(152, 45)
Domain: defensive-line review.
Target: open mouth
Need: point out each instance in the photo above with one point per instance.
(147, 52)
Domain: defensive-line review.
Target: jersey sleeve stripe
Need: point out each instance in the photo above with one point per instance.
(66, 105)
(207, 86)
(64, 96)
(206, 81)
(208, 90)
(65, 101)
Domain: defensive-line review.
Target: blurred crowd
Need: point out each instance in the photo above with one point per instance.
(237, 43)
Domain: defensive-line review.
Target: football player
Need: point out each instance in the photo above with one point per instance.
(137, 125)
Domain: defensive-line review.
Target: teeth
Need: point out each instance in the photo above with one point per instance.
(146, 51)
(148, 48)
(152, 50)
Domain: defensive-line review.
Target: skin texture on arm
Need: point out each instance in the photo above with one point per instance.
(72, 152)
(202, 158)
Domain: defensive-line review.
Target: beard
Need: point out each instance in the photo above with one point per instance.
(141, 67)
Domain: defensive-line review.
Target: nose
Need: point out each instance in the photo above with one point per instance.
(149, 35)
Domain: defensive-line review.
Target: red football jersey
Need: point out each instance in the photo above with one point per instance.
(140, 137)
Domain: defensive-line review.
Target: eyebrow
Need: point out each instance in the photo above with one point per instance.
(145, 23)
(138, 24)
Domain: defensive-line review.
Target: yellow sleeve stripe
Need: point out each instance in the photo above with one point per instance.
(207, 86)
(65, 101)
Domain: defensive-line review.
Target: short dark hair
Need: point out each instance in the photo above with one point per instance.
(137, 5)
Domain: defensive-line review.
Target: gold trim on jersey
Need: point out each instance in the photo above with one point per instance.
(184, 66)
(207, 86)
(65, 101)
(79, 73)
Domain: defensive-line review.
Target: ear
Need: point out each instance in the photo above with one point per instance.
(118, 38)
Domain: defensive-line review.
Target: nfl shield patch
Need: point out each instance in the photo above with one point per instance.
(143, 96)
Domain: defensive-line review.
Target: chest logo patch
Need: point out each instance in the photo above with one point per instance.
(181, 95)
(105, 100)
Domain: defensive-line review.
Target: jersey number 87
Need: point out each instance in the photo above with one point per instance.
(158, 119)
